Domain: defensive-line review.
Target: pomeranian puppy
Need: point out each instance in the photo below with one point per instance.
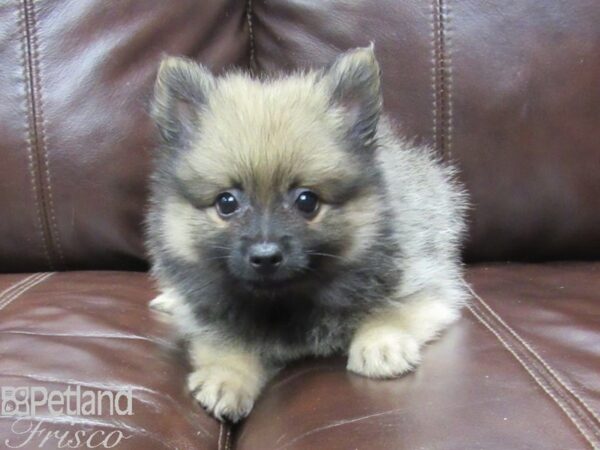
(287, 219)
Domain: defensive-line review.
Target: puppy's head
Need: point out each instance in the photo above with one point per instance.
(271, 182)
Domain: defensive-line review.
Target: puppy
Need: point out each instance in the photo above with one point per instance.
(287, 219)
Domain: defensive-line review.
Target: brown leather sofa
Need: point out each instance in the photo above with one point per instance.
(510, 91)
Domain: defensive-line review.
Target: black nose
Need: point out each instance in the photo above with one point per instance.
(265, 257)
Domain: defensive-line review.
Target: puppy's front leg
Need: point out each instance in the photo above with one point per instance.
(388, 342)
(226, 379)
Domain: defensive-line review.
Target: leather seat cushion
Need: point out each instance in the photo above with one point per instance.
(519, 370)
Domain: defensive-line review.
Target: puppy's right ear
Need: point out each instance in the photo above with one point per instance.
(181, 90)
(355, 84)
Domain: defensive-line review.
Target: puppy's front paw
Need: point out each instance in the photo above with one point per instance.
(223, 391)
(383, 352)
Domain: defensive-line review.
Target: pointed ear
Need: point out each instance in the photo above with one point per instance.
(180, 91)
(354, 83)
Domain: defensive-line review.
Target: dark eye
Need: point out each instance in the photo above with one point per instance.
(226, 204)
(307, 203)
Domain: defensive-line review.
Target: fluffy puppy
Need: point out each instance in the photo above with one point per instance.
(287, 219)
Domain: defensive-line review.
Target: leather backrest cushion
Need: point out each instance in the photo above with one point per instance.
(510, 91)
(75, 136)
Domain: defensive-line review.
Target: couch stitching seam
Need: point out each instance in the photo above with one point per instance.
(532, 373)
(32, 282)
(30, 139)
(220, 436)
(434, 73)
(448, 77)
(441, 79)
(14, 294)
(540, 381)
(552, 381)
(9, 290)
(537, 355)
(560, 398)
(42, 134)
(227, 436)
(249, 19)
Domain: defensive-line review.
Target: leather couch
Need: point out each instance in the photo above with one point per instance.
(510, 91)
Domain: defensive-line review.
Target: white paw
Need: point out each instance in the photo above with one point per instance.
(164, 303)
(223, 391)
(383, 353)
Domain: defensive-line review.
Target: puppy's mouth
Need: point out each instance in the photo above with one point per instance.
(278, 285)
(271, 283)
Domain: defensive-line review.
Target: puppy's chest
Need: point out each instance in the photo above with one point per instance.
(288, 328)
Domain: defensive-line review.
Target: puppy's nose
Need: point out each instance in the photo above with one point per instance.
(265, 257)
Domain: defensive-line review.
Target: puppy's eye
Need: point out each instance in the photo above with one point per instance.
(226, 204)
(307, 203)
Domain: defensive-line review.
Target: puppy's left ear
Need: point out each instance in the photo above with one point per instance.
(354, 82)
(180, 92)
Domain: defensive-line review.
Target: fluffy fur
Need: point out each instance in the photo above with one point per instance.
(374, 274)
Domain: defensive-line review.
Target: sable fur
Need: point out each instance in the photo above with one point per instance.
(375, 274)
